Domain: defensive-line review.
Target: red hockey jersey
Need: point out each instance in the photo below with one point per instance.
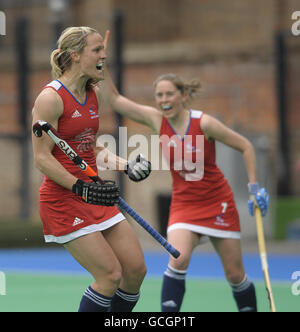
(201, 196)
(62, 212)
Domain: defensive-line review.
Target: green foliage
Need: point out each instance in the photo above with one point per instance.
(287, 210)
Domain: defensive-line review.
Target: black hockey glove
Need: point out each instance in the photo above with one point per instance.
(138, 169)
(106, 194)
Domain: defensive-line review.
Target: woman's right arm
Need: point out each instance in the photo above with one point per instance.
(49, 107)
(143, 114)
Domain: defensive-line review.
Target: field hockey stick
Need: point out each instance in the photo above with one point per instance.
(41, 126)
(263, 257)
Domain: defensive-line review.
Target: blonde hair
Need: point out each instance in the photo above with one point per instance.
(73, 39)
(191, 88)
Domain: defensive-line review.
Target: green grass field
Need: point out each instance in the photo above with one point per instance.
(62, 293)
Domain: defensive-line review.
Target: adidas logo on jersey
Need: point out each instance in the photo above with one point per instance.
(77, 221)
(76, 114)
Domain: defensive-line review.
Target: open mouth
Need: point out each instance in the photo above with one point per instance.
(166, 107)
(99, 66)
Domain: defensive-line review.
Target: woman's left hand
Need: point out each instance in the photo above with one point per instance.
(138, 169)
(258, 197)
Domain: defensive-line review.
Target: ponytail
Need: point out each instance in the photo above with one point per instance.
(56, 70)
(192, 88)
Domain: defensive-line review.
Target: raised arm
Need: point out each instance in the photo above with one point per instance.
(143, 114)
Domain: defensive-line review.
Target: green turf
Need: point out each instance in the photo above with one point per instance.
(287, 210)
(62, 293)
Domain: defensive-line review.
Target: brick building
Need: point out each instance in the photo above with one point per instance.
(230, 45)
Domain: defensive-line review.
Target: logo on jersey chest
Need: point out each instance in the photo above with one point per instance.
(76, 114)
(93, 112)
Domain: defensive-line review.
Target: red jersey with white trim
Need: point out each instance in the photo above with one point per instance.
(200, 193)
(78, 126)
(60, 208)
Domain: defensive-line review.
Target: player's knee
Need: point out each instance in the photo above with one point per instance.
(109, 278)
(115, 277)
(139, 271)
(142, 271)
(234, 276)
(135, 273)
(181, 263)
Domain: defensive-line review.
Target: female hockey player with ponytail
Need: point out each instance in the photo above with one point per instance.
(202, 201)
(89, 226)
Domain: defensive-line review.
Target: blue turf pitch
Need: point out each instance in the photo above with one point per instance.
(54, 281)
(203, 265)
